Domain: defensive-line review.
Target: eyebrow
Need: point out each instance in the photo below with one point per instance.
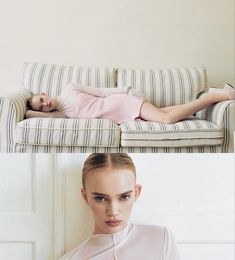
(105, 195)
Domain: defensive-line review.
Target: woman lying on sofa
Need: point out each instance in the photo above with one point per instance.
(110, 190)
(118, 104)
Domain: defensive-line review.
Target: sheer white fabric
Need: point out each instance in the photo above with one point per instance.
(134, 242)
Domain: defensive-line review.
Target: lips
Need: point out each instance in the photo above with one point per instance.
(113, 223)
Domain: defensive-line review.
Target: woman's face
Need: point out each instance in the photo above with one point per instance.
(111, 194)
(43, 102)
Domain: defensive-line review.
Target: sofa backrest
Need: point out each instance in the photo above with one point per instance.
(162, 87)
(52, 78)
(165, 87)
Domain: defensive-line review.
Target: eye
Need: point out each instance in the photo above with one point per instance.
(100, 199)
(40, 104)
(125, 197)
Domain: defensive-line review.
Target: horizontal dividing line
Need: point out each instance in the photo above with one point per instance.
(213, 242)
(187, 213)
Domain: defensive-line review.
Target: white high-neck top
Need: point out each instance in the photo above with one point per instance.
(134, 242)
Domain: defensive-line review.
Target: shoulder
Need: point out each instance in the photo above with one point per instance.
(78, 252)
(73, 254)
(159, 237)
(157, 233)
(150, 229)
(69, 255)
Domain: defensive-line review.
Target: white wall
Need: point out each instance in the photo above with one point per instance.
(134, 33)
(42, 214)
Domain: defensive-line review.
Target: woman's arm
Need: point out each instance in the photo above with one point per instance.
(103, 92)
(31, 114)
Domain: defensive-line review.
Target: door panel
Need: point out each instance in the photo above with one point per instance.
(26, 207)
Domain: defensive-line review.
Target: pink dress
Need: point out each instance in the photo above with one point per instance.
(118, 107)
(134, 242)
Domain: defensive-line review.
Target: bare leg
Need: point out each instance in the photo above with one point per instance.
(173, 114)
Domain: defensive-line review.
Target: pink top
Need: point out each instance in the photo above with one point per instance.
(118, 107)
(136, 242)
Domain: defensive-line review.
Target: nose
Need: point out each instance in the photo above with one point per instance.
(112, 209)
(45, 104)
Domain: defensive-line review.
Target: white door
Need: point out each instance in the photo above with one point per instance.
(26, 207)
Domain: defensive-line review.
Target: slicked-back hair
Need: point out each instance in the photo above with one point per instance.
(102, 160)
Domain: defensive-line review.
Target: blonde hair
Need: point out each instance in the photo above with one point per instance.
(101, 160)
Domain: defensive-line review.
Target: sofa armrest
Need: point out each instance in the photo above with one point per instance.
(222, 114)
(12, 110)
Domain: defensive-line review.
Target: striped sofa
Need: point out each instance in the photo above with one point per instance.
(211, 130)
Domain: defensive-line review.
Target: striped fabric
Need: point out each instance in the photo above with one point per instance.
(211, 132)
(68, 132)
(51, 78)
(165, 87)
(191, 132)
(222, 114)
(22, 148)
(12, 110)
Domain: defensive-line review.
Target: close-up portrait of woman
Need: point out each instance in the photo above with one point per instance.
(109, 188)
(116, 206)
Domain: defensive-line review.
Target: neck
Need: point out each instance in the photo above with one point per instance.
(97, 232)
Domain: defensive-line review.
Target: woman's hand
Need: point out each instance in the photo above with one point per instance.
(29, 113)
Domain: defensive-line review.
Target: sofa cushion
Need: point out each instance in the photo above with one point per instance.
(165, 87)
(68, 132)
(51, 78)
(190, 132)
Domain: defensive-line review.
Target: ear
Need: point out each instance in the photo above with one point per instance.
(84, 195)
(138, 189)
